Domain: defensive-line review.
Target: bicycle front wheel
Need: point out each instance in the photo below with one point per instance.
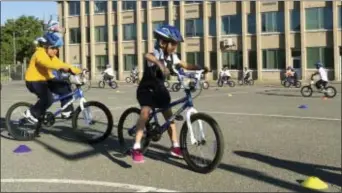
(18, 126)
(330, 92)
(84, 123)
(196, 163)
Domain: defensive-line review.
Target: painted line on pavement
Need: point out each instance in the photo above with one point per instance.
(88, 182)
(274, 115)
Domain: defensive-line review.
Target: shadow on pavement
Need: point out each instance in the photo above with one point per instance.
(298, 167)
(250, 173)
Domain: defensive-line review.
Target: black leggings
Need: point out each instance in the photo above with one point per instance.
(321, 83)
(43, 90)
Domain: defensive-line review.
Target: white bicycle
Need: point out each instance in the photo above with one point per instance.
(191, 134)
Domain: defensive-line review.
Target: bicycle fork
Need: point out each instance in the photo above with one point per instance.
(85, 111)
(191, 111)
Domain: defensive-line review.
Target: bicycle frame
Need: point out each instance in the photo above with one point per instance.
(188, 106)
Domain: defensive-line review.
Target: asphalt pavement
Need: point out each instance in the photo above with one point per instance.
(271, 145)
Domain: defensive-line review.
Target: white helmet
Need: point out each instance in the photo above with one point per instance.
(39, 40)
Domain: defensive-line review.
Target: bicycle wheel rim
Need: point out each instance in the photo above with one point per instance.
(88, 120)
(15, 128)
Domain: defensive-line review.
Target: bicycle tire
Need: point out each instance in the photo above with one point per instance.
(334, 92)
(113, 84)
(109, 118)
(220, 83)
(144, 141)
(219, 138)
(251, 82)
(240, 82)
(128, 79)
(101, 84)
(298, 84)
(231, 83)
(287, 84)
(205, 85)
(166, 84)
(176, 87)
(309, 89)
(12, 131)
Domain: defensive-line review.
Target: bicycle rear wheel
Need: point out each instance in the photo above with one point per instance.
(101, 84)
(126, 138)
(88, 118)
(21, 129)
(113, 84)
(128, 79)
(202, 140)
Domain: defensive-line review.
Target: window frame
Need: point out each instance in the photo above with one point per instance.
(227, 21)
(279, 57)
(195, 32)
(99, 29)
(77, 35)
(133, 36)
(237, 57)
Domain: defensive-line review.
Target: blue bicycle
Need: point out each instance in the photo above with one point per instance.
(21, 129)
(153, 130)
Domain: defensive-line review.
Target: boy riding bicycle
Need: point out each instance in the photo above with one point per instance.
(40, 80)
(323, 81)
(151, 92)
(108, 74)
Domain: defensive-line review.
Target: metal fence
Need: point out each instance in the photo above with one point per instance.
(10, 72)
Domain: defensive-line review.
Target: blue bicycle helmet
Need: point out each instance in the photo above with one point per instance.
(318, 65)
(168, 33)
(53, 40)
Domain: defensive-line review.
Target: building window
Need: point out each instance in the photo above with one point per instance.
(340, 17)
(190, 2)
(232, 59)
(144, 31)
(212, 26)
(176, 2)
(159, 3)
(320, 54)
(251, 23)
(130, 60)
(295, 20)
(115, 33)
(273, 21)
(318, 18)
(158, 24)
(101, 62)
(100, 34)
(115, 5)
(231, 24)
(194, 27)
(213, 61)
(143, 4)
(116, 63)
(252, 59)
(74, 8)
(129, 31)
(273, 59)
(87, 7)
(177, 24)
(128, 5)
(88, 34)
(195, 58)
(75, 35)
(100, 6)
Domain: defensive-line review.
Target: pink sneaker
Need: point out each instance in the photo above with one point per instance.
(137, 156)
(176, 152)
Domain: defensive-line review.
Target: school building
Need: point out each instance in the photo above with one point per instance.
(268, 35)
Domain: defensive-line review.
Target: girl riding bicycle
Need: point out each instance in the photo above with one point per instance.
(152, 92)
(40, 80)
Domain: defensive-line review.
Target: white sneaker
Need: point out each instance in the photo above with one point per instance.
(30, 117)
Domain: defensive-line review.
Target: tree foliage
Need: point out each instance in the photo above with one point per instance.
(26, 30)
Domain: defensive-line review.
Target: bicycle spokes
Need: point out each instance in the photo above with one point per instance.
(87, 116)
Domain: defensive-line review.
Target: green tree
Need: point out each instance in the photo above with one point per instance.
(25, 29)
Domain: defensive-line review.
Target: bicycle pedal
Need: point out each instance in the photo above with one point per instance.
(179, 118)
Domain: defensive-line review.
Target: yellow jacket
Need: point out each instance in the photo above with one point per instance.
(41, 66)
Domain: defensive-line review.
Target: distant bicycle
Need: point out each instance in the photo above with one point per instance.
(112, 83)
(246, 82)
(230, 82)
(132, 79)
(288, 82)
(306, 91)
(23, 130)
(85, 79)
